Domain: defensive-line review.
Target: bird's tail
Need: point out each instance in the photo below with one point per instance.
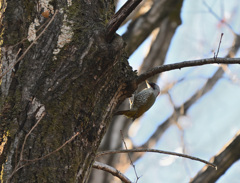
(127, 113)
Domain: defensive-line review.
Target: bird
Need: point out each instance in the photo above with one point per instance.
(141, 102)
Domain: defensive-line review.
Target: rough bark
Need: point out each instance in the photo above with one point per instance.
(78, 86)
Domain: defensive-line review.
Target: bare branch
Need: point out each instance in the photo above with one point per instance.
(129, 157)
(206, 88)
(217, 17)
(113, 171)
(19, 166)
(184, 64)
(36, 32)
(215, 56)
(142, 27)
(25, 139)
(58, 149)
(157, 54)
(224, 159)
(119, 17)
(156, 151)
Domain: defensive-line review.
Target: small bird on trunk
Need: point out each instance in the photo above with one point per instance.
(142, 101)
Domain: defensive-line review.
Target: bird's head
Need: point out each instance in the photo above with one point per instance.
(154, 86)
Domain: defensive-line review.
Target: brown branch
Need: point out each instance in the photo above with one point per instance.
(30, 46)
(58, 149)
(29, 162)
(113, 171)
(184, 64)
(119, 17)
(19, 166)
(224, 159)
(27, 38)
(156, 151)
(25, 139)
(142, 27)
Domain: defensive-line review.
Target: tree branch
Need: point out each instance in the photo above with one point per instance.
(184, 64)
(113, 171)
(219, 44)
(131, 162)
(206, 88)
(225, 158)
(25, 139)
(142, 27)
(156, 151)
(56, 150)
(119, 17)
(19, 166)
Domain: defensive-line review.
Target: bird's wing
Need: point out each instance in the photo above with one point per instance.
(131, 102)
(143, 102)
(142, 98)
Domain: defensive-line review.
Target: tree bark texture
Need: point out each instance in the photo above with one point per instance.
(77, 85)
(156, 57)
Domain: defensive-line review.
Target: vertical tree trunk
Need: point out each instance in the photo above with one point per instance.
(71, 74)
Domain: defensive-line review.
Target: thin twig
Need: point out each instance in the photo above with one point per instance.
(34, 41)
(27, 38)
(215, 56)
(19, 166)
(25, 139)
(58, 149)
(217, 17)
(156, 151)
(112, 170)
(119, 17)
(129, 157)
(180, 65)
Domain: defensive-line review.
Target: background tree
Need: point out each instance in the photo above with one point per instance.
(65, 72)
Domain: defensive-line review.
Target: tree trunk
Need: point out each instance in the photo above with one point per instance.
(70, 76)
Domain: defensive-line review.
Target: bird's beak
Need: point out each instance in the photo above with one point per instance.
(147, 83)
(150, 84)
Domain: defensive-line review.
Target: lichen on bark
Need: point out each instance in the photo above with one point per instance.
(78, 90)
